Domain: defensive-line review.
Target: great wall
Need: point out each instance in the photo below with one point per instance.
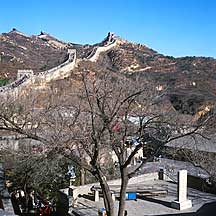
(27, 77)
(108, 43)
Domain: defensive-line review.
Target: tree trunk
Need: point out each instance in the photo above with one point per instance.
(82, 176)
(124, 183)
(108, 202)
(26, 197)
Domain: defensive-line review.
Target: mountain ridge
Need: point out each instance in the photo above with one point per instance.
(191, 79)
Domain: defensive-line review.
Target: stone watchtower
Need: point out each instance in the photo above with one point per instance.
(110, 37)
(21, 73)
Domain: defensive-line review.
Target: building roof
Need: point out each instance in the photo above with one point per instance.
(172, 167)
(196, 142)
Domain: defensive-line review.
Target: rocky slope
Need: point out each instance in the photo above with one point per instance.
(190, 81)
(20, 51)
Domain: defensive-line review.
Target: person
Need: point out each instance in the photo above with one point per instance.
(40, 211)
(23, 203)
(29, 202)
(47, 209)
(15, 203)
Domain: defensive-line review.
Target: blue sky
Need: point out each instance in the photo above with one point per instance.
(172, 27)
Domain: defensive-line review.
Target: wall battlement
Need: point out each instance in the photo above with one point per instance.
(21, 73)
(94, 56)
(108, 43)
(27, 77)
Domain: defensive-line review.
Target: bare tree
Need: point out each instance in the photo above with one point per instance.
(92, 120)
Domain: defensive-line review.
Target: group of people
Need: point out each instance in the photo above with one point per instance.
(14, 84)
(19, 81)
(25, 203)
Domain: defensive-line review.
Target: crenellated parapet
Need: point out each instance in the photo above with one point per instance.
(15, 84)
(109, 42)
(61, 71)
(27, 77)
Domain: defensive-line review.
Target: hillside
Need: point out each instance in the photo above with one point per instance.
(190, 82)
(19, 51)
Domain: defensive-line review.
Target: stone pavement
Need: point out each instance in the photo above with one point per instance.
(202, 203)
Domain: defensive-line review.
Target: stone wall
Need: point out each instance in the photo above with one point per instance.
(15, 142)
(61, 71)
(9, 142)
(14, 85)
(85, 189)
(93, 58)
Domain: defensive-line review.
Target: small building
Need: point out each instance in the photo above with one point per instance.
(22, 73)
(110, 36)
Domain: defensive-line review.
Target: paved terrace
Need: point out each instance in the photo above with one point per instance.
(147, 180)
(203, 203)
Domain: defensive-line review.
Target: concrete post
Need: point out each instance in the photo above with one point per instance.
(96, 196)
(113, 196)
(182, 202)
(73, 192)
(82, 176)
(161, 174)
(75, 197)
